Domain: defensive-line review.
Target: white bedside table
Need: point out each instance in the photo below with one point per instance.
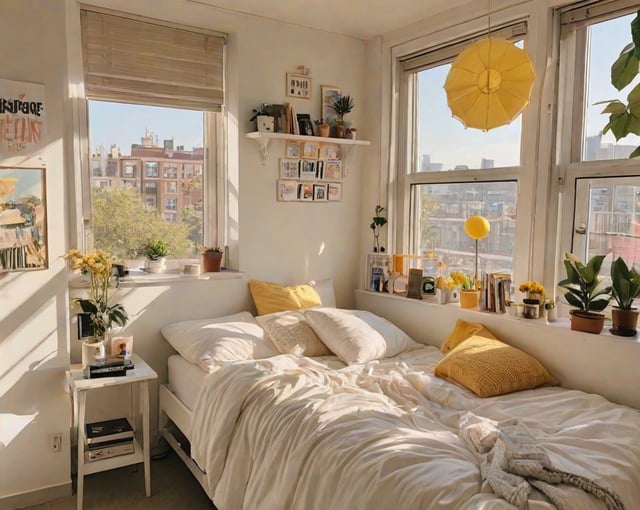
(140, 375)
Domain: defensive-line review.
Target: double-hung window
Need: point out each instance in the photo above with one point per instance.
(602, 185)
(155, 99)
(448, 173)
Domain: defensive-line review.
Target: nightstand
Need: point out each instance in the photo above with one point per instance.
(139, 376)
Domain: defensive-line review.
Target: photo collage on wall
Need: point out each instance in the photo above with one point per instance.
(310, 172)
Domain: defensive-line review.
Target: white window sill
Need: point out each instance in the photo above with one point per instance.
(138, 277)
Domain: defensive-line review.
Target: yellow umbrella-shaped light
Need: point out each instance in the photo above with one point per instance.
(489, 84)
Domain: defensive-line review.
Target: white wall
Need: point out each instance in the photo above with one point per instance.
(285, 243)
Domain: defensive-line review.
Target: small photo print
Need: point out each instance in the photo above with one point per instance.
(292, 149)
(288, 191)
(329, 151)
(332, 170)
(122, 346)
(310, 150)
(289, 168)
(319, 191)
(308, 170)
(334, 191)
(305, 192)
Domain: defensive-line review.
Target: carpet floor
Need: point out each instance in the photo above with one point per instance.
(172, 487)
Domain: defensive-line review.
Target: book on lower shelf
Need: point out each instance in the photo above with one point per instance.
(108, 449)
(108, 430)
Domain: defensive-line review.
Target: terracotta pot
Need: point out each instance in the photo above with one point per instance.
(625, 322)
(323, 130)
(469, 298)
(588, 322)
(340, 130)
(211, 261)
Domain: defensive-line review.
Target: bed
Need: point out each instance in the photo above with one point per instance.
(367, 423)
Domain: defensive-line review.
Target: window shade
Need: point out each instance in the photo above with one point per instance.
(587, 13)
(133, 61)
(437, 56)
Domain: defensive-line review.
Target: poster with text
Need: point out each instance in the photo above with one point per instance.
(22, 119)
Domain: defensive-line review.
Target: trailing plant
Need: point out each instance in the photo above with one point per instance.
(156, 249)
(625, 284)
(585, 288)
(624, 118)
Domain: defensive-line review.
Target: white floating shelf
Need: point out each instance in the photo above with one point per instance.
(264, 137)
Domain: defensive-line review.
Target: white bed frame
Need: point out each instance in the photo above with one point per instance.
(173, 411)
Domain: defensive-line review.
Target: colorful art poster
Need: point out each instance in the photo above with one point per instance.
(22, 118)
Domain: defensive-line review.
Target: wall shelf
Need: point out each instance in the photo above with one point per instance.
(263, 138)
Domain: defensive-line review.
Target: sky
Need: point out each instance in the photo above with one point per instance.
(124, 124)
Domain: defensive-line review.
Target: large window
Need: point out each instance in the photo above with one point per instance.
(605, 195)
(156, 117)
(452, 173)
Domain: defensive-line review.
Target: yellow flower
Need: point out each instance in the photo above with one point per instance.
(532, 287)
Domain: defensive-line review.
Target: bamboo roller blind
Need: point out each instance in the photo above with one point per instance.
(132, 61)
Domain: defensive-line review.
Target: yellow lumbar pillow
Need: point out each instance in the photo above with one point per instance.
(489, 367)
(463, 330)
(271, 297)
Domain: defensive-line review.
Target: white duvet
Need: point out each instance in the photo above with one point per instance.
(301, 433)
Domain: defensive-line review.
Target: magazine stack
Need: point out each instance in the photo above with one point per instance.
(109, 438)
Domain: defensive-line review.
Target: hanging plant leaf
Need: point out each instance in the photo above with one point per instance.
(625, 68)
(635, 34)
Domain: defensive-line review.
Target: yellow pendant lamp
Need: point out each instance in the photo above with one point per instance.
(489, 83)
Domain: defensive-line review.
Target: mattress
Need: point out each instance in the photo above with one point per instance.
(185, 379)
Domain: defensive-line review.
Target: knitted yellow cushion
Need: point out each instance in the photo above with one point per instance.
(463, 330)
(271, 297)
(489, 367)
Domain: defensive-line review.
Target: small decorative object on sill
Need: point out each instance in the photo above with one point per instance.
(211, 259)
(414, 285)
(469, 298)
(531, 311)
(351, 133)
(156, 252)
(586, 292)
(550, 310)
(378, 222)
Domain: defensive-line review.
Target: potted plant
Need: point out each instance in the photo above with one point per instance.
(378, 222)
(211, 259)
(625, 287)
(264, 121)
(469, 291)
(156, 252)
(586, 292)
(341, 105)
(323, 128)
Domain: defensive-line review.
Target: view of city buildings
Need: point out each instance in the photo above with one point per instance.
(167, 178)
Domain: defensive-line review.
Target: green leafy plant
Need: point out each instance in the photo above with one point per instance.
(585, 288)
(625, 284)
(378, 222)
(156, 249)
(342, 105)
(624, 118)
(210, 249)
(263, 110)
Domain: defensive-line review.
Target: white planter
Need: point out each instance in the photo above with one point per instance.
(93, 351)
(265, 123)
(156, 266)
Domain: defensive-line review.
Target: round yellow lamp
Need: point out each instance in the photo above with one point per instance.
(477, 227)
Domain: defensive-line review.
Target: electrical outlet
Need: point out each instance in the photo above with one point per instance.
(55, 442)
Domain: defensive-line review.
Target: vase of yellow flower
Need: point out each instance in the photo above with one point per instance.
(103, 315)
(535, 298)
(469, 292)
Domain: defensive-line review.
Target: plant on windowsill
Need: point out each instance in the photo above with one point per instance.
(378, 222)
(625, 287)
(211, 259)
(586, 292)
(624, 118)
(341, 105)
(156, 252)
(469, 289)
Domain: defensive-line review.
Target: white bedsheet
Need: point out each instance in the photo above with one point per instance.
(288, 433)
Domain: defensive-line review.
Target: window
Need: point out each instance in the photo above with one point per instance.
(604, 196)
(451, 172)
(177, 97)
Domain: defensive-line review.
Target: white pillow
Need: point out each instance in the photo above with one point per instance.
(290, 333)
(358, 336)
(325, 290)
(210, 343)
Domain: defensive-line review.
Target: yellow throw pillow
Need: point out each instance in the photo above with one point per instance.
(463, 330)
(271, 297)
(489, 367)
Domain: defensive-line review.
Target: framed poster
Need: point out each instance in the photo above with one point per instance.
(23, 219)
(288, 191)
(23, 119)
(289, 168)
(328, 94)
(298, 85)
(320, 192)
(334, 191)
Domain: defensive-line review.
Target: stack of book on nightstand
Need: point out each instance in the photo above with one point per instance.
(108, 438)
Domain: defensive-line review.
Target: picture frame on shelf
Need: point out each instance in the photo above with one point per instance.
(334, 191)
(308, 170)
(292, 149)
(328, 93)
(298, 85)
(304, 124)
(289, 168)
(332, 170)
(277, 111)
(320, 192)
(310, 150)
(287, 191)
(329, 151)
